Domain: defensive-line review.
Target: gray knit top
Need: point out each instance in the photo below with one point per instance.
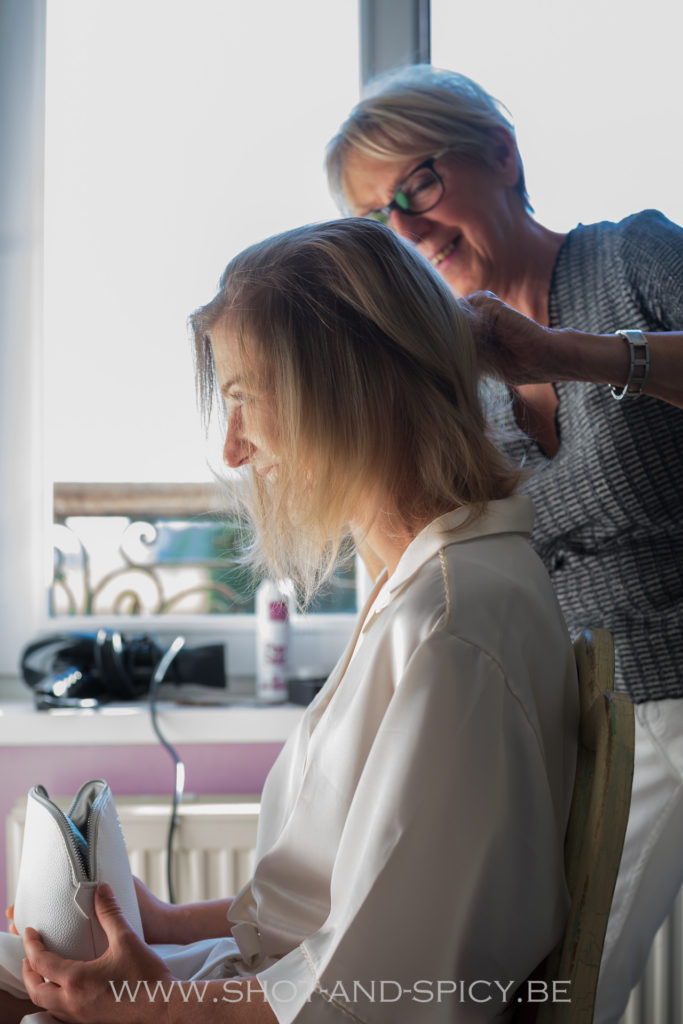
(609, 524)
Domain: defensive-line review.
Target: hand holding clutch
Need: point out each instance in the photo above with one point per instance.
(64, 858)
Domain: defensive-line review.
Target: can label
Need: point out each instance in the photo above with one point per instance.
(277, 611)
(275, 654)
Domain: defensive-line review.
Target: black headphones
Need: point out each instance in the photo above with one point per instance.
(84, 670)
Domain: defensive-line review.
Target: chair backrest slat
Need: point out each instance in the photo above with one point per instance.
(595, 834)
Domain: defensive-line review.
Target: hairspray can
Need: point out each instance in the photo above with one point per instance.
(272, 642)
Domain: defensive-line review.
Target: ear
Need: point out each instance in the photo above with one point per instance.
(504, 155)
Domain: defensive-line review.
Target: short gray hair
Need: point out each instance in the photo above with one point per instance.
(416, 111)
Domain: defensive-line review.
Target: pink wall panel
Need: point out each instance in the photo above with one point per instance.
(211, 768)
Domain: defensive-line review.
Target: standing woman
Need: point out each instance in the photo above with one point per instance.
(595, 369)
(409, 863)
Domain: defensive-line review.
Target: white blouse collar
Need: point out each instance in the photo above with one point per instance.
(507, 515)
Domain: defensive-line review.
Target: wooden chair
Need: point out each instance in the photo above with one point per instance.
(595, 837)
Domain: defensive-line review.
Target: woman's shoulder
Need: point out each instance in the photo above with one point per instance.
(485, 578)
(495, 620)
(609, 273)
(647, 227)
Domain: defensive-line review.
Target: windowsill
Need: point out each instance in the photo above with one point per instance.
(238, 718)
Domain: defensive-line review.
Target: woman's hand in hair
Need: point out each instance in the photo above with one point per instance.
(512, 347)
(519, 351)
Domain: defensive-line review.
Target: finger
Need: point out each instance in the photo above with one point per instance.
(110, 915)
(33, 980)
(43, 993)
(41, 960)
(9, 914)
(33, 942)
(141, 890)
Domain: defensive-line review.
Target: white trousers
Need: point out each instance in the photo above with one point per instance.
(651, 871)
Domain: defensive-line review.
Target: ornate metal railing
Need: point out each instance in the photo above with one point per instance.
(153, 549)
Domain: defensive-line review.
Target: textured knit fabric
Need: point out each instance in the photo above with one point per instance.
(609, 524)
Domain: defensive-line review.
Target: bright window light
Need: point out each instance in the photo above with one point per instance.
(178, 132)
(594, 89)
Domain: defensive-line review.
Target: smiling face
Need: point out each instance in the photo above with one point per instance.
(469, 236)
(349, 376)
(251, 435)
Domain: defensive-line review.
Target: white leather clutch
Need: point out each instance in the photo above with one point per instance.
(63, 858)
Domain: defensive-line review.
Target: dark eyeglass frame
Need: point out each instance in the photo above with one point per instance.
(384, 212)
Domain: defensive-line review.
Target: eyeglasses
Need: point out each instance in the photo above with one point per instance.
(418, 193)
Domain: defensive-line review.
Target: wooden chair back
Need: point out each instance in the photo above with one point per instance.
(594, 840)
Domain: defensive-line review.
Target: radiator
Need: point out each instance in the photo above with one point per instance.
(214, 855)
(213, 844)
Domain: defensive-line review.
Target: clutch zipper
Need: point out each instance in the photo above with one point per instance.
(65, 828)
(90, 829)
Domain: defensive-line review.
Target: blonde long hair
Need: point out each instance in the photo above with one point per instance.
(373, 370)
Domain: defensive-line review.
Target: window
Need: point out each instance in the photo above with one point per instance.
(594, 95)
(290, 70)
(176, 134)
(176, 89)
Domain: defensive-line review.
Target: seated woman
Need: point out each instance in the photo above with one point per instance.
(409, 864)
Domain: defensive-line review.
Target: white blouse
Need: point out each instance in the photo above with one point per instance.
(410, 850)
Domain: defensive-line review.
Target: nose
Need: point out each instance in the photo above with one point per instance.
(237, 450)
(411, 227)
